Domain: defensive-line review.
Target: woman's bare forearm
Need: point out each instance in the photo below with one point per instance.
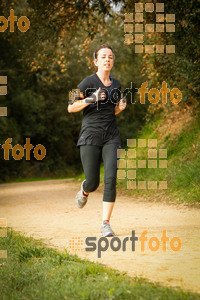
(121, 106)
(117, 110)
(78, 105)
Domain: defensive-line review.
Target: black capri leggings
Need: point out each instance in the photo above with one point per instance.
(91, 157)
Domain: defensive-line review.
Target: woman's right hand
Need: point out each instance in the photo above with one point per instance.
(99, 95)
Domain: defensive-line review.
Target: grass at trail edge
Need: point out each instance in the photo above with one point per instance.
(33, 271)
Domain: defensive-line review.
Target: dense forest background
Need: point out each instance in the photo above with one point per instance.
(45, 63)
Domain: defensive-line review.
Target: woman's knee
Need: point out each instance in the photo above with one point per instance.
(91, 185)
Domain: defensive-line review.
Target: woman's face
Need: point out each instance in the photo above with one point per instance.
(104, 60)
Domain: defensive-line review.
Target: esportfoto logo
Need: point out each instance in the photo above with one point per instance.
(116, 244)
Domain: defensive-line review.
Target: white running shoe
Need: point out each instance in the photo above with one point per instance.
(106, 229)
(81, 199)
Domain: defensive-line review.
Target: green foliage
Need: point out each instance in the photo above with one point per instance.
(180, 70)
(41, 66)
(184, 172)
(183, 160)
(55, 54)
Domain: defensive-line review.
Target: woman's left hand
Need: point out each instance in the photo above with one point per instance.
(122, 104)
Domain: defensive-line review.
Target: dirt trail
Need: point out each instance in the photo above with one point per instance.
(47, 210)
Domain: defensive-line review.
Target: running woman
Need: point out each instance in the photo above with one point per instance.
(99, 137)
